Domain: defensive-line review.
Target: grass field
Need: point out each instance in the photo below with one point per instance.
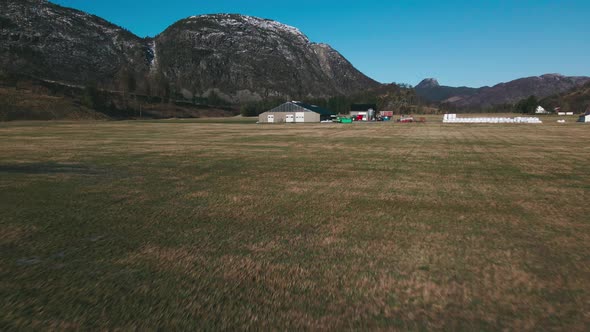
(203, 225)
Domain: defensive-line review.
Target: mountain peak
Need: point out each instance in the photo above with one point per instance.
(241, 22)
(552, 77)
(250, 58)
(428, 83)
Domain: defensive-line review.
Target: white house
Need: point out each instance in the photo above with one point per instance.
(541, 110)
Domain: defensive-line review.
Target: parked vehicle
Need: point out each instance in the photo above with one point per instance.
(342, 119)
(406, 119)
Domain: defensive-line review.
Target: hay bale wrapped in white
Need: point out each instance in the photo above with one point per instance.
(452, 118)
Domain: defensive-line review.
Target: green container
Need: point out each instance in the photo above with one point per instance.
(346, 120)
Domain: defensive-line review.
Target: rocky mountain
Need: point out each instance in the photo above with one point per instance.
(44, 40)
(503, 93)
(429, 89)
(428, 83)
(248, 58)
(239, 58)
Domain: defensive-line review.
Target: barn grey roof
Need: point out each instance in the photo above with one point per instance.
(294, 106)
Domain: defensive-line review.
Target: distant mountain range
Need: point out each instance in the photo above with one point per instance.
(503, 93)
(430, 90)
(238, 58)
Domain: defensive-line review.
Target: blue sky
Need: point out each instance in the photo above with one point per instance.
(472, 43)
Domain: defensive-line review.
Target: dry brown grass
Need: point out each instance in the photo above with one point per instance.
(235, 226)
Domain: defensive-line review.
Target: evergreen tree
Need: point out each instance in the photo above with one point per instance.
(528, 105)
(249, 109)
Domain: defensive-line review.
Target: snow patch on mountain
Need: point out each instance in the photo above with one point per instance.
(153, 56)
(237, 21)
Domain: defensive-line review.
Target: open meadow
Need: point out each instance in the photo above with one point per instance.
(233, 225)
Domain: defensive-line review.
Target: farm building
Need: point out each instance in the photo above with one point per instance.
(295, 111)
(364, 112)
(560, 112)
(584, 118)
(388, 114)
(541, 110)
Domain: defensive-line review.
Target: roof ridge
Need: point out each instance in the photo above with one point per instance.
(313, 108)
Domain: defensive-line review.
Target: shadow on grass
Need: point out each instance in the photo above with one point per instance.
(47, 168)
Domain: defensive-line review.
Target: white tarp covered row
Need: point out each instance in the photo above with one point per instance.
(452, 118)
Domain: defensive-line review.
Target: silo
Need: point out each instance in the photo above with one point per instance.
(371, 115)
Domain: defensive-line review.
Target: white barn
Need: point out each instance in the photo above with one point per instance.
(295, 112)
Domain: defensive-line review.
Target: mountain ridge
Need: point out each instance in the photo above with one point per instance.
(501, 93)
(236, 57)
(430, 90)
(576, 100)
(250, 58)
(42, 39)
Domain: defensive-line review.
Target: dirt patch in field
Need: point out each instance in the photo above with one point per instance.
(13, 234)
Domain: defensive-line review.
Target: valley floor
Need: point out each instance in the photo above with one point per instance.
(187, 224)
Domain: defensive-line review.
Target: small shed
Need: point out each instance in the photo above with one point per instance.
(295, 112)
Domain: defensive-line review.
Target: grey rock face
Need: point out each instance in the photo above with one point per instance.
(428, 83)
(242, 55)
(48, 41)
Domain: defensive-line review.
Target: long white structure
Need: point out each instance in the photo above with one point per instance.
(452, 118)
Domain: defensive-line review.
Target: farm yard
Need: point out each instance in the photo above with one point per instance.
(226, 224)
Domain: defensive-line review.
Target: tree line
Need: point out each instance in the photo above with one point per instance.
(398, 98)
